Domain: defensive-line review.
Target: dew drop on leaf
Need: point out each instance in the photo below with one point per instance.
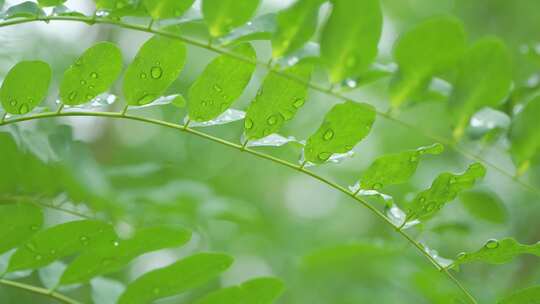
(324, 155)
(143, 75)
(298, 102)
(13, 102)
(492, 244)
(272, 120)
(248, 124)
(94, 75)
(83, 82)
(217, 88)
(72, 95)
(156, 72)
(329, 134)
(24, 109)
(461, 255)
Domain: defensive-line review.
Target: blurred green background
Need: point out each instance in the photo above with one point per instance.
(273, 220)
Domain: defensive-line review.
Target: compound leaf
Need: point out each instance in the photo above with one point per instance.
(295, 26)
(47, 3)
(255, 291)
(524, 135)
(444, 189)
(484, 205)
(220, 84)
(277, 101)
(484, 79)
(430, 47)
(112, 256)
(177, 278)
(343, 127)
(350, 37)
(395, 168)
(93, 73)
(19, 222)
(59, 241)
(157, 64)
(529, 295)
(26, 9)
(25, 86)
(163, 9)
(224, 15)
(498, 252)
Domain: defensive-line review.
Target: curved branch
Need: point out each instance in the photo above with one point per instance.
(41, 291)
(242, 148)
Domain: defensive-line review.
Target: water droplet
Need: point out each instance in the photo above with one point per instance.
(83, 82)
(287, 115)
(13, 102)
(329, 134)
(84, 240)
(298, 102)
(143, 75)
(217, 88)
(72, 95)
(324, 156)
(116, 243)
(156, 72)
(90, 96)
(94, 75)
(248, 124)
(38, 257)
(492, 244)
(272, 120)
(24, 109)
(145, 98)
(461, 255)
(348, 147)
(91, 87)
(422, 199)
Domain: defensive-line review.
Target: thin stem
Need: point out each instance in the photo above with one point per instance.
(60, 108)
(39, 290)
(93, 20)
(124, 110)
(285, 163)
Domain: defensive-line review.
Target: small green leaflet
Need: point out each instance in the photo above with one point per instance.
(343, 127)
(259, 28)
(220, 84)
(163, 9)
(350, 38)
(157, 64)
(25, 86)
(295, 26)
(20, 221)
(120, 8)
(431, 47)
(277, 101)
(26, 9)
(395, 168)
(484, 205)
(484, 80)
(529, 295)
(59, 241)
(255, 291)
(177, 278)
(444, 189)
(112, 256)
(92, 74)
(47, 3)
(224, 15)
(498, 252)
(524, 135)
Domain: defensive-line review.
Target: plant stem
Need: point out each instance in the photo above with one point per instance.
(39, 290)
(241, 148)
(445, 141)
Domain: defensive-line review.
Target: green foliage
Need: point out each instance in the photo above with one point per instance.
(163, 9)
(343, 127)
(157, 64)
(255, 291)
(26, 9)
(277, 101)
(25, 86)
(498, 252)
(348, 48)
(484, 205)
(224, 15)
(524, 135)
(529, 295)
(185, 274)
(220, 84)
(46, 3)
(20, 222)
(430, 47)
(92, 74)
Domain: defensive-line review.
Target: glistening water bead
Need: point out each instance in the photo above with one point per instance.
(492, 244)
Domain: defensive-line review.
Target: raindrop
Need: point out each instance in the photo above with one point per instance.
(329, 134)
(217, 88)
(248, 124)
(492, 244)
(13, 102)
(156, 72)
(24, 109)
(94, 75)
(143, 75)
(351, 83)
(116, 243)
(461, 255)
(298, 102)
(72, 95)
(324, 156)
(83, 82)
(272, 120)
(287, 115)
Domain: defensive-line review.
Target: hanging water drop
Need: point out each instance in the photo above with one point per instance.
(461, 255)
(324, 156)
(248, 124)
(83, 82)
(142, 75)
(13, 102)
(217, 88)
(272, 120)
(94, 75)
(24, 109)
(72, 95)
(492, 244)
(329, 134)
(156, 72)
(298, 102)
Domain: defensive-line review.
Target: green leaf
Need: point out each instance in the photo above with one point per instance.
(121, 8)
(177, 278)
(157, 64)
(19, 222)
(498, 252)
(524, 135)
(255, 291)
(224, 15)
(431, 47)
(529, 295)
(484, 80)
(444, 189)
(260, 28)
(277, 101)
(47, 3)
(60, 241)
(220, 84)
(179, 101)
(350, 37)
(112, 256)
(93, 73)
(295, 26)
(26, 9)
(343, 127)
(484, 205)
(163, 9)
(395, 168)
(25, 86)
